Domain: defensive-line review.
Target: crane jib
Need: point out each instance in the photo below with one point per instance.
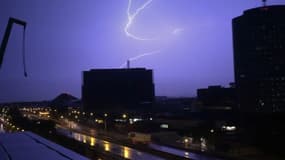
(6, 38)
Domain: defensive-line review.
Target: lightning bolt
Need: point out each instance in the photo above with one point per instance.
(131, 18)
(140, 56)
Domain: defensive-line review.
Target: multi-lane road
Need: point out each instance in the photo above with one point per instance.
(119, 150)
(131, 153)
(83, 134)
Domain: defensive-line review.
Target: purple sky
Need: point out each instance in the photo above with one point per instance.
(65, 37)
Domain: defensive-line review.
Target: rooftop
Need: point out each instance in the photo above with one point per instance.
(27, 145)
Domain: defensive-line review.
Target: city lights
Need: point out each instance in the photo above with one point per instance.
(106, 146)
(126, 153)
(229, 128)
(92, 141)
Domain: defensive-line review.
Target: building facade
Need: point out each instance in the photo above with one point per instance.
(117, 89)
(217, 98)
(259, 59)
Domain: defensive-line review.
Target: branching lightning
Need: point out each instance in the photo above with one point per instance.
(131, 18)
(140, 56)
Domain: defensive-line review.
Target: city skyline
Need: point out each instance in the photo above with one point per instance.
(64, 39)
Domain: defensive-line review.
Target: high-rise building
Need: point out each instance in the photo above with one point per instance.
(117, 89)
(259, 59)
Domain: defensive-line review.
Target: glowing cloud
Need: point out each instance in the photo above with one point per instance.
(177, 31)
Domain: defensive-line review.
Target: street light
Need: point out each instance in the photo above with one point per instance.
(124, 116)
(105, 121)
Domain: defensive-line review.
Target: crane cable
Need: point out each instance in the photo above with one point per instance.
(24, 51)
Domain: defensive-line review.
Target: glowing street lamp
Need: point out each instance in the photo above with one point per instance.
(105, 121)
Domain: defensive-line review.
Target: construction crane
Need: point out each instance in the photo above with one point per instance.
(264, 2)
(6, 38)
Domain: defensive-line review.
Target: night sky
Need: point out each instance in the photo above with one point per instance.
(192, 40)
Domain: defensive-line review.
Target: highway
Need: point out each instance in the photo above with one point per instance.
(181, 153)
(116, 149)
(130, 153)
(84, 134)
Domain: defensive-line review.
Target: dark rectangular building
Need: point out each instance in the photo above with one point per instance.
(117, 90)
(215, 98)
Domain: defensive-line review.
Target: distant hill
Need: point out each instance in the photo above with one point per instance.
(64, 100)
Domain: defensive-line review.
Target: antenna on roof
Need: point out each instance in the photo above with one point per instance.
(264, 3)
(128, 64)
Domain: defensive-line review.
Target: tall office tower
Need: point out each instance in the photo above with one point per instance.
(117, 90)
(259, 59)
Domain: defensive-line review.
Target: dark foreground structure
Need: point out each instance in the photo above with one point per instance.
(30, 146)
(217, 98)
(259, 59)
(117, 90)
